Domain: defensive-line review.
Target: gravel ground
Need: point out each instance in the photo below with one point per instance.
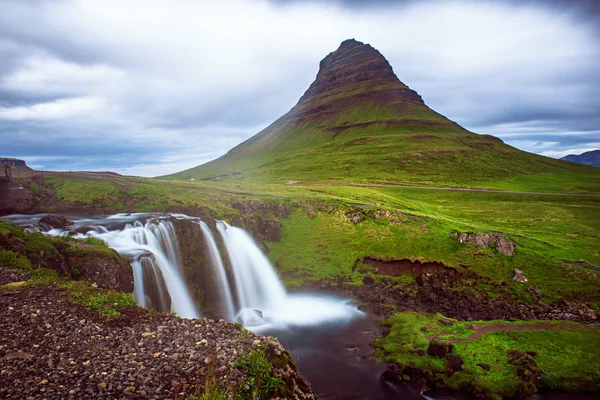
(51, 348)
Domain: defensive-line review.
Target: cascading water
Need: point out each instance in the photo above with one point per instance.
(263, 301)
(155, 238)
(253, 296)
(257, 284)
(219, 269)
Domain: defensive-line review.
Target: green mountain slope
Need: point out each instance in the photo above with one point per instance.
(358, 123)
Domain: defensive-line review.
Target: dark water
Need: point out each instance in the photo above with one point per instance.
(334, 358)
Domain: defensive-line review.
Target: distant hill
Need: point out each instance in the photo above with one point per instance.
(357, 122)
(587, 158)
(14, 162)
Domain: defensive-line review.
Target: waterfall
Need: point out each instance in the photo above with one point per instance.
(156, 238)
(138, 283)
(157, 294)
(253, 296)
(256, 283)
(217, 263)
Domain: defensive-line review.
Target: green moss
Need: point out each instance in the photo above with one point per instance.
(260, 381)
(108, 303)
(568, 358)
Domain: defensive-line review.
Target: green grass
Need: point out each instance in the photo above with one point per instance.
(108, 303)
(378, 143)
(82, 190)
(11, 259)
(35, 189)
(569, 358)
(546, 228)
(260, 381)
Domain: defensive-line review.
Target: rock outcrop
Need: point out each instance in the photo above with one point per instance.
(103, 267)
(354, 72)
(73, 259)
(15, 199)
(195, 258)
(502, 243)
(261, 218)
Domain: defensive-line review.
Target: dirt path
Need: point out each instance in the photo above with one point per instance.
(484, 329)
(451, 189)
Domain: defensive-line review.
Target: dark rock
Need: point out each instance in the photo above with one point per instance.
(453, 363)
(439, 348)
(484, 366)
(390, 376)
(368, 280)
(107, 270)
(445, 322)
(55, 221)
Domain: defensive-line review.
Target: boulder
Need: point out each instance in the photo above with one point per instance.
(505, 245)
(481, 240)
(519, 277)
(105, 269)
(453, 363)
(439, 348)
(502, 243)
(55, 221)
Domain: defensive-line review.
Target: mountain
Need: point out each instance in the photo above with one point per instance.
(587, 158)
(357, 122)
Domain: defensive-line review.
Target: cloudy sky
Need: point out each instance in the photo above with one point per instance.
(151, 87)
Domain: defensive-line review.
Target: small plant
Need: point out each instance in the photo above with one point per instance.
(95, 242)
(13, 260)
(260, 383)
(106, 302)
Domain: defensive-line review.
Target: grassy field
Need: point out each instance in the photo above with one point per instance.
(320, 243)
(547, 228)
(566, 354)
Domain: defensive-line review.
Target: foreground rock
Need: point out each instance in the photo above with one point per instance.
(502, 243)
(53, 349)
(55, 221)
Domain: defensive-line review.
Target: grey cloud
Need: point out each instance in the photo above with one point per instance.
(174, 92)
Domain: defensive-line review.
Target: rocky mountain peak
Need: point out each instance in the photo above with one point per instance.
(351, 64)
(355, 71)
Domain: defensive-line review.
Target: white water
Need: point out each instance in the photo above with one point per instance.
(156, 238)
(225, 291)
(263, 301)
(138, 283)
(257, 284)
